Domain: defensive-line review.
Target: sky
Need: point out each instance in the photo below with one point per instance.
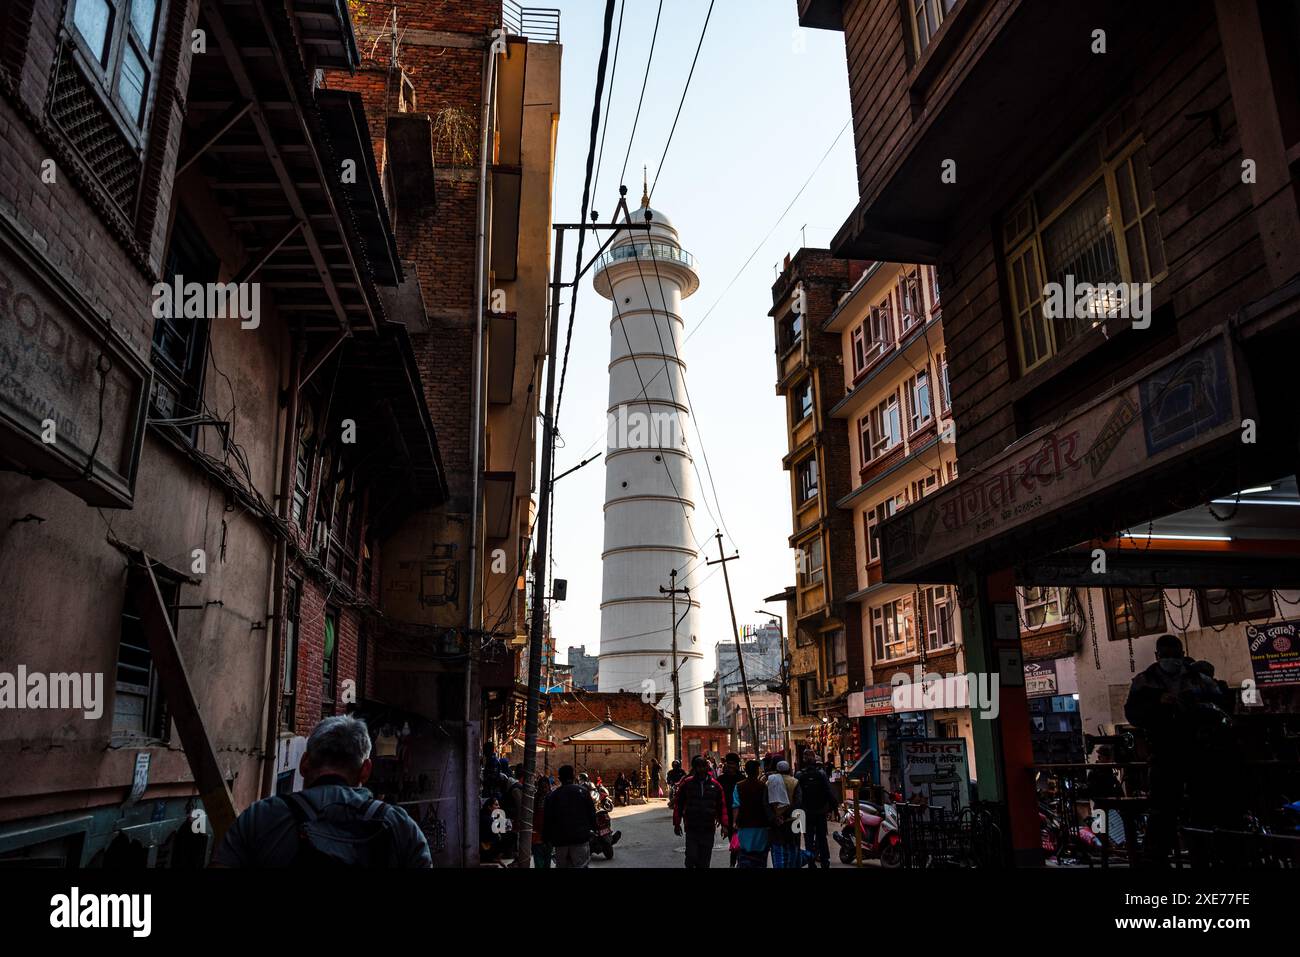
(767, 101)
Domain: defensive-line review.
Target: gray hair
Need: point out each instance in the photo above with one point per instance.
(339, 742)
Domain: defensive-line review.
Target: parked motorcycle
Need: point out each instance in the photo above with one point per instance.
(1060, 842)
(877, 828)
(604, 837)
(600, 797)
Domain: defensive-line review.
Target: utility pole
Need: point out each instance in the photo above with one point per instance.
(785, 682)
(672, 591)
(524, 851)
(735, 633)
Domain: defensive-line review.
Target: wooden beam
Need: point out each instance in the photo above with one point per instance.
(212, 131)
(182, 706)
(258, 260)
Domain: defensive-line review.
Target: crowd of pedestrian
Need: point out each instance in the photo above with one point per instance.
(764, 811)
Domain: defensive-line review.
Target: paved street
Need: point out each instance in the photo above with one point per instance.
(648, 840)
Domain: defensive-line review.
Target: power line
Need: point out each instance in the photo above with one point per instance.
(609, 107)
(637, 119)
(586, 197)
(682, 102)
(768, 236)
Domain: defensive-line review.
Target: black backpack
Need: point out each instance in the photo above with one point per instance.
(341, 835)
(816, 790)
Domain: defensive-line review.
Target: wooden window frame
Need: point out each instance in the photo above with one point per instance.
(1113, 628)
(797, 404)
(105, 74)
(1024, 225)
(1237, 611)
(806, 491)
(1027, 607)
(912, 389)
(879, 411)
(938, 598)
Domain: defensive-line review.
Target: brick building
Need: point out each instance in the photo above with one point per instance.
(246, 522)
(1145, 151)
(169, 544)
(824, 639)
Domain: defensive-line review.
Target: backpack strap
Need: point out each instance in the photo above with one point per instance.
(299, 807)
(374, 807)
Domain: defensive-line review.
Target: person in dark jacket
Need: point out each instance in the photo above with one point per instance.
(701, 807)
(752, 818)
(568, 818)
(816, 802)
(1171, 702)
(731, 776)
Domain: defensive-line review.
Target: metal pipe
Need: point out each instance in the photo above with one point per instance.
(473, 622)
(270, 747)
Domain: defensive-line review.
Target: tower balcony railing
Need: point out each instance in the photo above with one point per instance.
(540, 24)
(664, 251)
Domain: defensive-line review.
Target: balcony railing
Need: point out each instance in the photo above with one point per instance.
(662, 251)
(541, 24)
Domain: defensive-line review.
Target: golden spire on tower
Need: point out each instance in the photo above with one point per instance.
(645, 187)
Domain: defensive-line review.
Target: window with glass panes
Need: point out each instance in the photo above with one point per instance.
(179, 342)
(836, 653)
(329, 664)
(1135, 612)
(289, 655)
(806, 474)
(858, 340)
(879, 430)
(873, 517)
(909, 302)
(138, 704)
(893, 629)
(880, 326)
(938, 617)
(1223, 606)
(919, 411)
(118, 41)
(811, 563)
(1041, 606)
(923, 486)
(1092, 220)
(924, 19)
(802, 400)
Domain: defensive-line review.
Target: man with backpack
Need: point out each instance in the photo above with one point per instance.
(333, 821)
(816, 801)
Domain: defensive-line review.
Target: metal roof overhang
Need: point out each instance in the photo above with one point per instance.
(260, 140)
(344, 116)
(992, 109)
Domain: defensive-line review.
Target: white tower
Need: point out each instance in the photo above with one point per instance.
(650, 483)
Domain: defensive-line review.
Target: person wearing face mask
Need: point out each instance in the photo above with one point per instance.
(1166, 701)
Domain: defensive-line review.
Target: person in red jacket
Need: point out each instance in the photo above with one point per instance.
(700, 809)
